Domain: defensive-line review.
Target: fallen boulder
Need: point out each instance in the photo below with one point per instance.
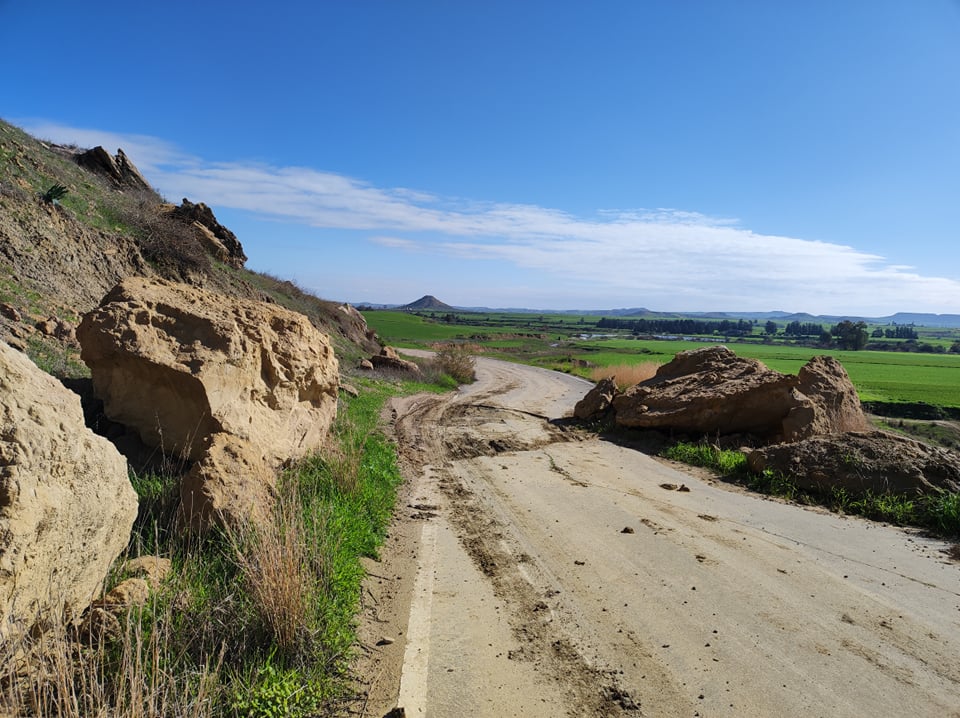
(390, 360)
(713, 391)
(832, 404)
(238, 387)
(598, 402)
(180, 364)
(66, 503)
(858, 462)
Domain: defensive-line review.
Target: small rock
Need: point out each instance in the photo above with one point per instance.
(627, 530)
(386, 641)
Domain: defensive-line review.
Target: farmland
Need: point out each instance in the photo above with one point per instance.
(575, 344)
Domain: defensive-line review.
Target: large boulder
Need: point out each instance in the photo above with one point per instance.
(231, 485)
(66, 503)
(238, 387)
(830, 405)
(858, 462)
(180, 364)
(707, 391)
(713, 391)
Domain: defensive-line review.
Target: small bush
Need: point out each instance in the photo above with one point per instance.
(456, 362)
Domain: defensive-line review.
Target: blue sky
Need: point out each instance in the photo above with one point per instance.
(677, 155)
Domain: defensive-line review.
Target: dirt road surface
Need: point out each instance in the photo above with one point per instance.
(536, 571)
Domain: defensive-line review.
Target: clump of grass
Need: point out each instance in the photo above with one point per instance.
(626, 375)
(726, 462)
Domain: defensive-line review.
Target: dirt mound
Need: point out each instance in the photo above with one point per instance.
(857, 462)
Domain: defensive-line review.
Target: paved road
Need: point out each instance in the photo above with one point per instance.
(553, 574)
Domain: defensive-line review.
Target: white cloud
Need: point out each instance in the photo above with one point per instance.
(670, 258)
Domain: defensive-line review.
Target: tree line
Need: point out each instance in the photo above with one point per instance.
(726, 327)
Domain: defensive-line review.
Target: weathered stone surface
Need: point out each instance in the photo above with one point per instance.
(598, 401)
(66, 503)
(366, 365)
(707, 391)
(180, 364)
(219, 241)
(390, 360)
(119, 169)
(857, 462)
(231, 485)
(354, 327)
(833, 405)
(153, 569)
(131, 592)
(712, 390)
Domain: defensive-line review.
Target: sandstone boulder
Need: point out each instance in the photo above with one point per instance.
(598, 401)
(857, 462)
(390, 360)
(713, 391)
(707, 391)
(180, 364)
(230, 485)
(66, 503)
(832, 402)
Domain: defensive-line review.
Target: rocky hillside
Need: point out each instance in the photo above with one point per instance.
(74, 222)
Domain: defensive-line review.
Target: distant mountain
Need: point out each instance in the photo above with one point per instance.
(428, 302)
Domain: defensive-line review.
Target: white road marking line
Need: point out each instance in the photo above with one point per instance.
(416, 657)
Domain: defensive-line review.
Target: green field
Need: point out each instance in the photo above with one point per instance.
(552, 341)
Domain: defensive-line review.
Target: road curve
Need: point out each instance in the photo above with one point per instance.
(550, 573)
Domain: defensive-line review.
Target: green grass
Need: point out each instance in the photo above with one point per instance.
(938, 514)
(400, 328)
(252, 622)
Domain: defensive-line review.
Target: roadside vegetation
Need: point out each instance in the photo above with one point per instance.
(938, 514)
(250, 623)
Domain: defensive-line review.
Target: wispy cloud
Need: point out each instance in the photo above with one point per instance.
(672, 258)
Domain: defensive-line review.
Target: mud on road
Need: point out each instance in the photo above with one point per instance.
(538, 571)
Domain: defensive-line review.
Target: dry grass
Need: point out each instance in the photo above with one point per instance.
(626, 375)
(456, 361)
(278, 566)
(76, 674)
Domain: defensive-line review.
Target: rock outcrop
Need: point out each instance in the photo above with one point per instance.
(217, 239)
(119, 169)
(235, 386)
(713, 391)
(66, 503)
(860, 461)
